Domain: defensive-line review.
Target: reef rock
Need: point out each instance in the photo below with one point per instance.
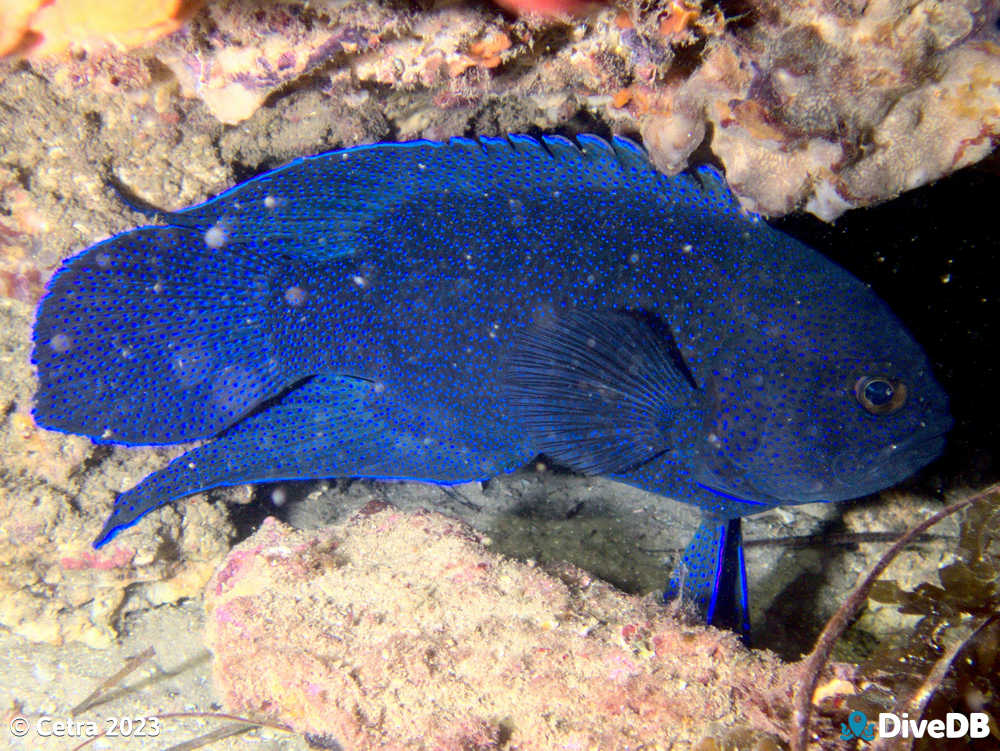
(54, 587)
(807, 104)
(403, 631)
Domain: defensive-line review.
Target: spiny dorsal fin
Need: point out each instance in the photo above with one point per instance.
(317, 204)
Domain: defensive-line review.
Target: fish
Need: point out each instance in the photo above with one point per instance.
(446, 312)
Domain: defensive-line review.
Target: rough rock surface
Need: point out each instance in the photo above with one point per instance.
(403, 631)
(814, 104)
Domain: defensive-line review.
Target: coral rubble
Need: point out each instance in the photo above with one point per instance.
(403, 631)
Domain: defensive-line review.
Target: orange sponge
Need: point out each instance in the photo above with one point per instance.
(47, 27)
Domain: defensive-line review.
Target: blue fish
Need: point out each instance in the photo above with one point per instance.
(445, 312)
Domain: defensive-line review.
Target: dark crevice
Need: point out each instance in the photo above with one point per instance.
(94, 121)
(130, 198)
(98, 455)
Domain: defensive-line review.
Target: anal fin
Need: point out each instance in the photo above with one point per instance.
(331, 426)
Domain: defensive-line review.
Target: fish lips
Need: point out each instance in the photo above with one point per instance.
(889, 466)
(849, 478)
(903, 459)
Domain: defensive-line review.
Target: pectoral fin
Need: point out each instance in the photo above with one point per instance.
(601, 392)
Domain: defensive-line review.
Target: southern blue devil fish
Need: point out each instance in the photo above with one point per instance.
(444, 312)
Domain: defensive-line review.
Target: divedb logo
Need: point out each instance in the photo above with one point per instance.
(954, 725)
(890, 725)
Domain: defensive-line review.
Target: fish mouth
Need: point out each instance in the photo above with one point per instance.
(903, 459)
(849, 479)
(893, 464)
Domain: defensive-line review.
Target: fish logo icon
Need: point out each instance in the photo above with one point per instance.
(857, 726)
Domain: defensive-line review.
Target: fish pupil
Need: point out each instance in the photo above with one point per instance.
(879, 392)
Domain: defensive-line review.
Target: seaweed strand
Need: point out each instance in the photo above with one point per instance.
(838, 623)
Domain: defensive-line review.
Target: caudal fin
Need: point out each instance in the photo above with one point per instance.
(712, 575)
(160, 335)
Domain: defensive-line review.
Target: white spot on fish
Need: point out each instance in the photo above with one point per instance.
(216, 236)
(517, 212)
(687, 248)
(190, 366)
(296, 296)
(270, 202)
(378, 387)
(61, 343)
(158, 286)
(360, 281)
(634, 258)
(421, 166)
(103, 260)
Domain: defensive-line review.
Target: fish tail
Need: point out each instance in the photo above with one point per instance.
(712, 575)
(161, 335)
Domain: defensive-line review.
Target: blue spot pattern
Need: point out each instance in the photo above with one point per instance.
(444, 312)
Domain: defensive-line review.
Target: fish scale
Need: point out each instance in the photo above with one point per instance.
(444, 312)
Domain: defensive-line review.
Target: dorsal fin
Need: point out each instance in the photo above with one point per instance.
(316, 205)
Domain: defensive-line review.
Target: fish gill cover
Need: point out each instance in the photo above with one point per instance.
(445, 311)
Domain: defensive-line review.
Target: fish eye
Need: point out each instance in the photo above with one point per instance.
(880, 395)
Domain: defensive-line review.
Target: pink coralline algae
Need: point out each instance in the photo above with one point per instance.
(398, 631)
